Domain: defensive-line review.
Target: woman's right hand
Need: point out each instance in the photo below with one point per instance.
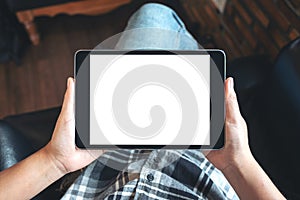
(235, 160)
(236, 148)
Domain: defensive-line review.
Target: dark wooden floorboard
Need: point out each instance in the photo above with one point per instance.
(40, 81)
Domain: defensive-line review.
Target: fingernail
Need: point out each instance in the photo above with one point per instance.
(68, 82)
(231, 84)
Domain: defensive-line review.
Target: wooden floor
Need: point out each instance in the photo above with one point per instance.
(40, 81)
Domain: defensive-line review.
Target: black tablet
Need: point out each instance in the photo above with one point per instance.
(149, 99)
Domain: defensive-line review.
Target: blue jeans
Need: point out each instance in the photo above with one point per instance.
(155, 26)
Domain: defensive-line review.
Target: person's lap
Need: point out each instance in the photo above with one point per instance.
(155, 26)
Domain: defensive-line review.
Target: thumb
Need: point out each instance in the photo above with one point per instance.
(66, 121)
(87, 156)
(231, 103)
(232, 111)
(68, 104)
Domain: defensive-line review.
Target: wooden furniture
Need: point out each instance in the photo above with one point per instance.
(86, 7)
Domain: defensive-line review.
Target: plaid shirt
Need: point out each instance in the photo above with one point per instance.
(161, 174)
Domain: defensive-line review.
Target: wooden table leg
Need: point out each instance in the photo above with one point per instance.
(27, 19)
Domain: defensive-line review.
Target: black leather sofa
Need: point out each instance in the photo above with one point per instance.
(269, 97)
(21, 135)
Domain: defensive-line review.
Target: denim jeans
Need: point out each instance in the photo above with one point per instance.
(155, 26)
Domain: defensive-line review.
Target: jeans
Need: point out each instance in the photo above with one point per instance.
(155, 26)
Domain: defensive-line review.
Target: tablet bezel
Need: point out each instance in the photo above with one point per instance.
(82, 101)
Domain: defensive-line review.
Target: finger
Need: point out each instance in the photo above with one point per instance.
(231, 103)
(205, 152)
(95, 153)
(88, 156)
(210, 154)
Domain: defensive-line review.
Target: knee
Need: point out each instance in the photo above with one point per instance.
(153, 9)
(155, 15)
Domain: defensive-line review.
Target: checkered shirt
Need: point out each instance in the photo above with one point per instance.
(161, 174)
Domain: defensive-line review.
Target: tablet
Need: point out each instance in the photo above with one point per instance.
(149, 99)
